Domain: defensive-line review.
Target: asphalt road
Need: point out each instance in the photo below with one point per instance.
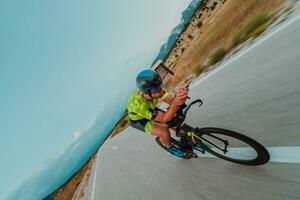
(256, 92)
(133, 167)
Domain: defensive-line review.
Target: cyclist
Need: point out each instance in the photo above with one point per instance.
(142, 110)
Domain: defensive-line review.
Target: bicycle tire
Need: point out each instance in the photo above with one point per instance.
(262, 157)
(175, 142)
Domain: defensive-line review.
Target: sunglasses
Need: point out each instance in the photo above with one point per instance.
(155, 89)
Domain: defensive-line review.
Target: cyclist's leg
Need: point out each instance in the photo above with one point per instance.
(152, 128)
(162, 132)
(164, 136)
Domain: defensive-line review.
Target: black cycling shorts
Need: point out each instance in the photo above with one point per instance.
(139, 124)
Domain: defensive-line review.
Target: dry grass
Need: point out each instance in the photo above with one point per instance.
(258, 31)
(198, 69)
(217, 31)
(252, 27)
(217, 56)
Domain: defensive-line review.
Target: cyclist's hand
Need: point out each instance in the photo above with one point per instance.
(180, 96)
(183, 91)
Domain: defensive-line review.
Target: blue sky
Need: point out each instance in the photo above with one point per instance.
(62, 64)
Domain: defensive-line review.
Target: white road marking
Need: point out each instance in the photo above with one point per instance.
(288, 154)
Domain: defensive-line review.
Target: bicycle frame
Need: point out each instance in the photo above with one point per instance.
(192, 134)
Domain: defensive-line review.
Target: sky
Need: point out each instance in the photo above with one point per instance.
(66, 70)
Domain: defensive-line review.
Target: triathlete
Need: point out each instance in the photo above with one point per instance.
(142, 110)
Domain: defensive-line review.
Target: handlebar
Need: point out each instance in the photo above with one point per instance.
(192, 103)
(181, 114)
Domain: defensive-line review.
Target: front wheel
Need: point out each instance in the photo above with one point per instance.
(232, 146)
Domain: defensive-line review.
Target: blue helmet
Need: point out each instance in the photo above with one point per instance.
(149, 82)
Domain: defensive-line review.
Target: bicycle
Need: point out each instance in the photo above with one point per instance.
(215, 141)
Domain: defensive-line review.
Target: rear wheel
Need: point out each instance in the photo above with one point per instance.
(232, 146)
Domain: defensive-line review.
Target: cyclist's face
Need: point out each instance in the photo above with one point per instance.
(158, 94)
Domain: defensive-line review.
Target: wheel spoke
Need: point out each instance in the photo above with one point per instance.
(230, 147)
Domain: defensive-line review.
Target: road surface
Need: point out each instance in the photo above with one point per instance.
(256, 92)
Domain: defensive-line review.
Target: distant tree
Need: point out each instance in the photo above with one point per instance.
(199, 24)
(190, 36)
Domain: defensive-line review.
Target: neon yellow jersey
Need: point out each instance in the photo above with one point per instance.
(140, 108)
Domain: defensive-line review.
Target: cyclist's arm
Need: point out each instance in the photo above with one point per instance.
(169, 99)
(167, 116)
(180, 98)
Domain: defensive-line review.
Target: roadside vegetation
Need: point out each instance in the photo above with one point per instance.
(217, 56)
(253, 27)
(221, 34)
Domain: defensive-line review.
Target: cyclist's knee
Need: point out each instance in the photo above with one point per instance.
(165, 135)
(160, 131)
